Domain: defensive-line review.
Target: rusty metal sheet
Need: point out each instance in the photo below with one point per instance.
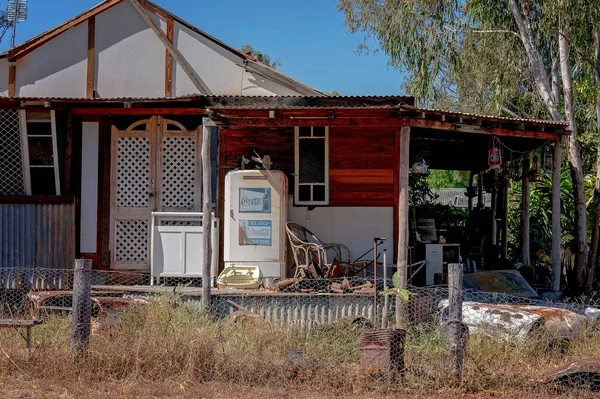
(35, 236)
(581, 374)
(519, 322)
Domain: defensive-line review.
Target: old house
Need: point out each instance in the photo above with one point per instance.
(57, 164)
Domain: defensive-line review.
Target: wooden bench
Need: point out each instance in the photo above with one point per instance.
(17, 323)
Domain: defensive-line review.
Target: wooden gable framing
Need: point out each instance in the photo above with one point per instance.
(183, 73)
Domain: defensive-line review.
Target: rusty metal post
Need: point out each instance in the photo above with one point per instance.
(455, 275)
(207, 210)
(82, 307)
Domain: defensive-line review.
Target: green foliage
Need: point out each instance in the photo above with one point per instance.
(264, 58)
(448, 179)
(334, 93)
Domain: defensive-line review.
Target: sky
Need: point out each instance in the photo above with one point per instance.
(307, 36)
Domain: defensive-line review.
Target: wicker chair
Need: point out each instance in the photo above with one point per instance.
(310, 253)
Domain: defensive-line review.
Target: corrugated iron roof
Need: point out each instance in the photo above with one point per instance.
(491, 117)
(232, 102)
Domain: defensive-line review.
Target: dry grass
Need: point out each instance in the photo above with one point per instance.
(180, 353)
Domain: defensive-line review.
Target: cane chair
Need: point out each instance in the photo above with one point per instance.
(310, 253)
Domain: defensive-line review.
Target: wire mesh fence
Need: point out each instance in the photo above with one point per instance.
(304, 330)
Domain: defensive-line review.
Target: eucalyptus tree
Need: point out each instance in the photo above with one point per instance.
(512, 57)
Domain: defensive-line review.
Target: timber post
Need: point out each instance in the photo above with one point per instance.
(207, 212)
(525, 212)
(82, 307)
(403, 222)
(505, 217)
(455, 330)
(494, 208)
(556, 229)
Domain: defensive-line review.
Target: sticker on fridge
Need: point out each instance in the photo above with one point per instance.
(255, 200)
(255, 232)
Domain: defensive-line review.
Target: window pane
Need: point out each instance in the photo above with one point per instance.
(312, 161)
(319, 131)
(304, 193)
(42, 181)
(40, 151)
(318, 193)
(39, 129)
(304, 131)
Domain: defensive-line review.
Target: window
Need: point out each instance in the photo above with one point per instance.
(311, 165)
(40, 155)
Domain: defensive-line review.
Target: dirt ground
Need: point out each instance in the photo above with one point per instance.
(27, 387)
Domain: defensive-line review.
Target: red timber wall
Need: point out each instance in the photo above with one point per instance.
(361, 160)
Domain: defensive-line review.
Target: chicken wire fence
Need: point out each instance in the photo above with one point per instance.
(410, 337)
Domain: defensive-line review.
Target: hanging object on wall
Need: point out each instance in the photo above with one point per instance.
(548, 159)
(420, 165)
(495, 155)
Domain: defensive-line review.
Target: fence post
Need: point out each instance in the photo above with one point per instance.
(82, 307)
(455, 333)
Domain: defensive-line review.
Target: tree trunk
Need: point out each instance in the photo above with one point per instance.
(596, 230)
(574, 157)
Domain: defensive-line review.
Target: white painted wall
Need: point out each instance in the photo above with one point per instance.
(57, 68)
(89, 186)
(4, 77)
(214, 64)
(130, 57)
(354, 227)
(256, 85)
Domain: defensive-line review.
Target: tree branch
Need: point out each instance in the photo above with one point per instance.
(485, 31)
(538, 70)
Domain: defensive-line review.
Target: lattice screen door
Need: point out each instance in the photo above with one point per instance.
(155, 166)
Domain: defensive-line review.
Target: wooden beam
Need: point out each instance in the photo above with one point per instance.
(12, 74)
(525, 213)
(403, 211)
(91, 58)
(155, 10)
(342, 122)
(181, 60)
(494, 131)
(556, 228)
(139, 111)
(169, 60)
(37, 41)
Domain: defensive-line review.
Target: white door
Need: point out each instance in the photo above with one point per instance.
(155, 167)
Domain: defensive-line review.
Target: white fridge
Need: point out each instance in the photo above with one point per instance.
(255, 217)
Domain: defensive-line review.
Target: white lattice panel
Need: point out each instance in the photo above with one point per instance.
(11, 167)
(131, 241)
(133, 172)
(179, 173)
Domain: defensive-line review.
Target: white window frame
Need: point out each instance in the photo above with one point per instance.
(297, 183)
(25, 151)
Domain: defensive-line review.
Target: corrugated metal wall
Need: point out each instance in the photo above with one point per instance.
(37, 236)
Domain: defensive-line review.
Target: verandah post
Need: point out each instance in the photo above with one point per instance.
(403, 222)
(556, 229)
(207, 219)
(455, 332)
(525, 212)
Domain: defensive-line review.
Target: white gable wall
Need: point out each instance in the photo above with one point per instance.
(130, 57)
(130, 62)
(215, 65)
(57, 68)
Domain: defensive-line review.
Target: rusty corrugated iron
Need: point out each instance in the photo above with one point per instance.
(581, 374)
(37, 236)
